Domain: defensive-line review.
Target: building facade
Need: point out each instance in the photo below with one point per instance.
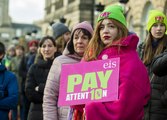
(9, 30)
(5, 21)
(68, 11)
(138, 14)
(78, 10)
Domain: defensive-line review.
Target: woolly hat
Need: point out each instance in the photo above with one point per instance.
(113, 12)
(59, 29)
(84, 25)
(32, 42)
(156, 16)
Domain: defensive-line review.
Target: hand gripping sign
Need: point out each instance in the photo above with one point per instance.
(84, 82)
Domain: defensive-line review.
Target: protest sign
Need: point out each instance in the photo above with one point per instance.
(84, 82)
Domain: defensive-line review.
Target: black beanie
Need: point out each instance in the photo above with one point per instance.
(59, 29)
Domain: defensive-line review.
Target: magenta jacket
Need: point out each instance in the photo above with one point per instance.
(134, 85)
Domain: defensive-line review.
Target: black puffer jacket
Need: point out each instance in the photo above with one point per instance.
(158, 102)
(37, 76)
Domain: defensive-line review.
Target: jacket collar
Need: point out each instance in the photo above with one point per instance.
(130, 41)
(2, 68)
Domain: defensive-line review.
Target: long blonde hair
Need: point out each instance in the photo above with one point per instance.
(60, 43)
(95, 45)
(149, 51)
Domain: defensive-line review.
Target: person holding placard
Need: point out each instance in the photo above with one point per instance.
(73, 53)
(111, 39)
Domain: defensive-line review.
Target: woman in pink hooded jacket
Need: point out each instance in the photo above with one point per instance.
(111, 39)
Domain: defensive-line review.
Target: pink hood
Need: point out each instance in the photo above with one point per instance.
(134, 85)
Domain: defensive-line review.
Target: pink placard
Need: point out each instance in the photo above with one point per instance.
(84, 82)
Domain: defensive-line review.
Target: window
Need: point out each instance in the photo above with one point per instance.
(70, 1)
(58, 4)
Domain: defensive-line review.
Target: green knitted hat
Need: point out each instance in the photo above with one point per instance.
(113, 12)
(156, 16)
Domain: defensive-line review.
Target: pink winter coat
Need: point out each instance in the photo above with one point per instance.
(134, 85)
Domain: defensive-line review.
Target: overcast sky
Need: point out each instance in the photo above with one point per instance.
(26, 11)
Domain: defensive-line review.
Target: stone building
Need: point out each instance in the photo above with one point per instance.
(137, 13)
(9, 30)
(5, 21)
(78, 10)
(68, 11)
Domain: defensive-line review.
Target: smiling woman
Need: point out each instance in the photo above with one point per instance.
(35, 83)
(18, 8)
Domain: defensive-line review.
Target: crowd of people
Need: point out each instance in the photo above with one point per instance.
(30, 80)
